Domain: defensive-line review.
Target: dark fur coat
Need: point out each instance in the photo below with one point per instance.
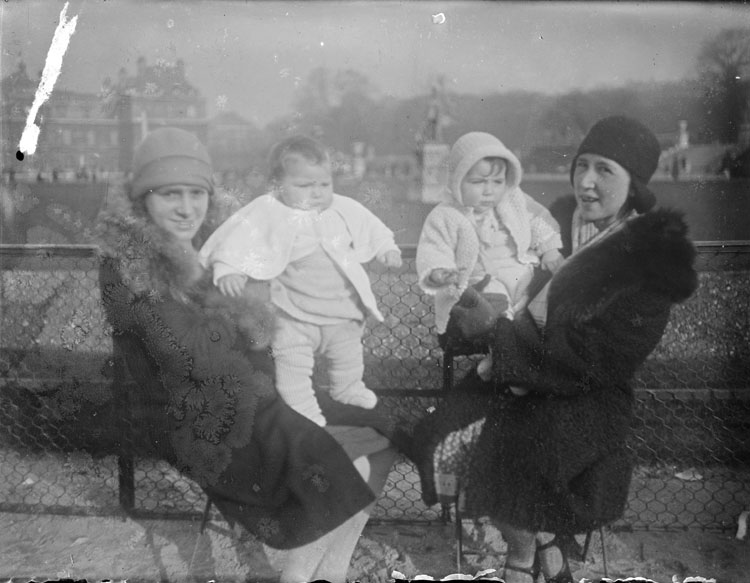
(204, 397)
(556, 459)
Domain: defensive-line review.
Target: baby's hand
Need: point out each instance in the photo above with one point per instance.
(232, 284)
(552, 260)
(392, 259)
(442, 277)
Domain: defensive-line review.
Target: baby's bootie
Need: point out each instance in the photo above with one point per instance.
(361, 397)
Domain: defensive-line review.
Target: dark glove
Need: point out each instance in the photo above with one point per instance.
(480, 285)
(499, 301)
(475, 314)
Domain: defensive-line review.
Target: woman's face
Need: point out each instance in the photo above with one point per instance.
(179, 209)
(601, 188)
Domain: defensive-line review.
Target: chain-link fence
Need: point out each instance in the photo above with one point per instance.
(66, 437)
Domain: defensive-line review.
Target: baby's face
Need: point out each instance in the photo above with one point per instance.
(484, 185)
(307, 186)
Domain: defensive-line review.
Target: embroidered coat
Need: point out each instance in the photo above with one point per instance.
(205, 399)
(556, 460)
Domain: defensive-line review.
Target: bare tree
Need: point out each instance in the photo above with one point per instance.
(724, 69)
(568, 119)
(313, 96)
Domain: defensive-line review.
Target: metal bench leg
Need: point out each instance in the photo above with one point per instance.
(447, 369)
(445, 513)
(126, 459)
(206, 513)
(126, 482)
(586, 546)
(459, 534)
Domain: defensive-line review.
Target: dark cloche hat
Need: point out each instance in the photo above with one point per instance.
(633, 146)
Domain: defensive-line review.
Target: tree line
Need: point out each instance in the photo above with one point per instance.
(342, 107)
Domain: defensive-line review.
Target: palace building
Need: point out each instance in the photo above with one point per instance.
(90, 134)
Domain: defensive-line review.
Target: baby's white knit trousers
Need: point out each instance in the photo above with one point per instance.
(338, 348)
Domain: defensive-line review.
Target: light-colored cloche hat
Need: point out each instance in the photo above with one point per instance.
(170, 156)
(473, 147)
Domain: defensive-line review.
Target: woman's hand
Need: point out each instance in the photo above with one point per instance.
(232, 285)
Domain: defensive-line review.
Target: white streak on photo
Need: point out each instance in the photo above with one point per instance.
(52, 66)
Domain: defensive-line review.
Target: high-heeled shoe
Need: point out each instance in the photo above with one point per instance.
(416, 448)
(563, 575)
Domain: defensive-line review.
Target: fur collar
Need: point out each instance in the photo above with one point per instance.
(152, 265)
(150, 259)
(150, 262)
(651, 252)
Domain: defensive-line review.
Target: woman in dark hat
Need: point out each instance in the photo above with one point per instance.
(205, 379)
(555, 461)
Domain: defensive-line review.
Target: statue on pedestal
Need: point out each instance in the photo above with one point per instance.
(437, 115)
(432, 152)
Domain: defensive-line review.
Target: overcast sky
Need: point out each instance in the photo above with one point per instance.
(249, 55)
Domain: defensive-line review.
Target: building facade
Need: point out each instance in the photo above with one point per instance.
(235, 144)
(85, 135)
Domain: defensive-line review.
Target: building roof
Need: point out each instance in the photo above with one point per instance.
(163, 79)
(18, 81)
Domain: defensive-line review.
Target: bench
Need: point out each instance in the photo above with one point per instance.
(55, 350)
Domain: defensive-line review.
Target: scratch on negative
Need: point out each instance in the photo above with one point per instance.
(51, 72)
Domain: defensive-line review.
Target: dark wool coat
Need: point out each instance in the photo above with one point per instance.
(205, 399)
(556, 460)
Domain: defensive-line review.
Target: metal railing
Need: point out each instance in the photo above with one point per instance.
(64, 442)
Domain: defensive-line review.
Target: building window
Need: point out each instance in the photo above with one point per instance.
(91, 138)
(67, 138)
(113, 137)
